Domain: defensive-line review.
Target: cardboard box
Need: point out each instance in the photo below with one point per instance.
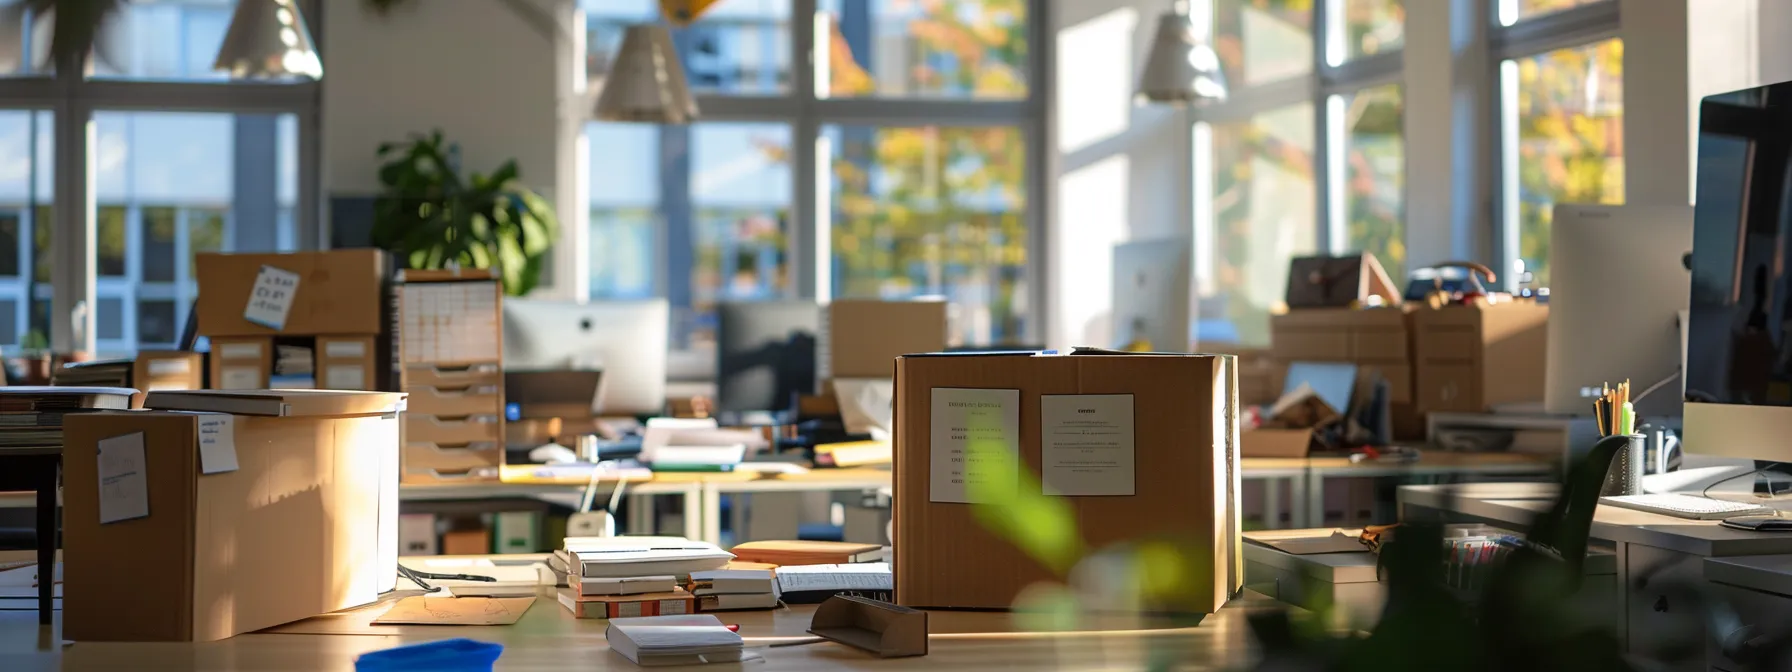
(1472, 358)
(1269, 442)
(1341, 335)
(241, 363)
(1183, 477)
(865, 337)
(306, 524)
(467, 542)
(167, 370)
(346, 362)
(337, 292)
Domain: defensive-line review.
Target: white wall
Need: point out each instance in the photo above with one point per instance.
(1123, 171)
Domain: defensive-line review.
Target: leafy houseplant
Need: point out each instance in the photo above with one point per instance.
(434, 218)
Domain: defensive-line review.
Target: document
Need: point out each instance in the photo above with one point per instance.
(217, 443)
(975, 446)
(865, 406)
(124, 483)
(1086, 445)
(271, 299)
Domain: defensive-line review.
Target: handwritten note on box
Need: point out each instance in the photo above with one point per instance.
(217, 443)
(271, 299)
(124, 481)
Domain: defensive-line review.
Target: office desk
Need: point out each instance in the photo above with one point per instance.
(549, 638)
(1431, 464)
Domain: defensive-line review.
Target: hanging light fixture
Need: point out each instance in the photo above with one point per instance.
(268, 40)
(646, 82)
(1181, 67)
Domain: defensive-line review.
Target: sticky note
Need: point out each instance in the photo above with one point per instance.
(217, 443)
(124, 479)
(271, 299)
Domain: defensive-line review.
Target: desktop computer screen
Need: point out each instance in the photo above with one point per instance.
(765, 357)
(1739, 340)
(1152, 284)
(626, 340)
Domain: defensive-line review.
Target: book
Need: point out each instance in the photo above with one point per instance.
(732, 582)
(814, 584)
(675, 601)
(37, 399)
(654, 558)
(784, 553)
(633, 585)
(274, 402)
(674, 640)
(853, 454)
(742, 564)
(736, 602)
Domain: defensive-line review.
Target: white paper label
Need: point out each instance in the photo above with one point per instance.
(344, 378)
(217, 443)
(271, 299)
(239, 351)
(124, 483)
(345, 349)
(1086, 444)
(240, 378)
(970, 429)
(169, 367)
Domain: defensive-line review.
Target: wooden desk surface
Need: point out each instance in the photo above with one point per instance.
(1428, 460)
(549, 638)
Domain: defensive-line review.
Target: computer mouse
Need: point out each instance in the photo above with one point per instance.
(553, 453)
(1759, 523)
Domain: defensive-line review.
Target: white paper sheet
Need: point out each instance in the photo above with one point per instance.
(1086, 444)
(865, 403)
(124, 481)
(271, 299)
(217, 443)
(969, 426)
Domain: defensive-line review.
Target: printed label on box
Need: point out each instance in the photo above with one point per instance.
(217, 443)
(124, 480)
(975, 447)
(1086, 444)
(174, 367)
(240, 378)
(347, 377)
(271, 299)
(345, 350)
(239, 351)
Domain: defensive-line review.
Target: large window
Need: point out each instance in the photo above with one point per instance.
(1369, 189)
(218, 175)
(895, 166)
(1263, 210)
(1561, 122)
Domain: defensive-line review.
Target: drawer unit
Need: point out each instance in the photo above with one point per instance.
(455, 401)
(429, 462)
(1661, 614)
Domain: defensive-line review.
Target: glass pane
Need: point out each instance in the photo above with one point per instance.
(1261, 213)
(110, 319)
(739, 46)
(1369, 27)
(9, 322)
(27, 51)
(960, 49)
(170, 185)
(1513, 11)
(156, 322)
(1262, 41)
(931, 211)
(158, 244)
(26, 225)
(1569, 116)
(1374, 187)
(740, 194)
(166, 40)
(625, 202)
(12, 232)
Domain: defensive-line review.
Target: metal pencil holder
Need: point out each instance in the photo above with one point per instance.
(1625, 477)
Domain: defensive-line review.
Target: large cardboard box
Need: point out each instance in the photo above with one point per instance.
(1178, 483)
(305, 525)
(337, 292)
(1472, 358)
(865, 337)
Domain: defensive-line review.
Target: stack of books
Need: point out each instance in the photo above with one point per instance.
(814, 584)
(294, 368)
(784, 553)
(612, 577)
(734, 589)
(31, 417)
(675, 640)
(98, 373)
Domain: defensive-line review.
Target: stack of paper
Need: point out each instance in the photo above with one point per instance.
(674, 640)
(732, 589)
(814, 584)
(32, 417)
(628, 557)
(293, 368)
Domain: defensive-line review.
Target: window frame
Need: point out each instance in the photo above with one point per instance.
(74, 286)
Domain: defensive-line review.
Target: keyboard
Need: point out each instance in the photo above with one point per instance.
(1691, 507)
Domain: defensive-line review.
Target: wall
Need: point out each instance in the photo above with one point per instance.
(1122, 171)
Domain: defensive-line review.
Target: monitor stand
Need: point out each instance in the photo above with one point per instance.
(1773, 480)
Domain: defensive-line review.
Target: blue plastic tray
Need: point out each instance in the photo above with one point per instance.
(448, 655)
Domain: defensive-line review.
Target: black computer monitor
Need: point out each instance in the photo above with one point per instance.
(765, 358)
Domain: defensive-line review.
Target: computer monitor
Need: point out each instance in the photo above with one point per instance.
(1618, 285)
(1151, 294)
(765, 358)
(626, 340)
(1739, 340)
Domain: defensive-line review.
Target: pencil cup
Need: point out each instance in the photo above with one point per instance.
(1625, 477)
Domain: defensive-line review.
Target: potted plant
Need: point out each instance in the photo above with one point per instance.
(433, 217)
(34, 359)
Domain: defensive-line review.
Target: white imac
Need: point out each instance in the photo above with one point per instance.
(1152, 285)
(626, 340)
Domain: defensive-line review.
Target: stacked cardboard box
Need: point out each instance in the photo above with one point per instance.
(1377, 340)
(303, 319)
(1473, 358)
(451, 342)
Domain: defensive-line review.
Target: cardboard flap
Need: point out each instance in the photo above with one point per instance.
(282, 403)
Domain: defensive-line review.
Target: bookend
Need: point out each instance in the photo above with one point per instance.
(883, 629)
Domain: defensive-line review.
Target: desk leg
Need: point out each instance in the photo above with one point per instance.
(640, 514)
(1315, 497)
(1272, 503)
(703, 513)
(46, 538)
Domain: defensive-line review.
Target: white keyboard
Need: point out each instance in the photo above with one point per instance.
(1686, 506)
